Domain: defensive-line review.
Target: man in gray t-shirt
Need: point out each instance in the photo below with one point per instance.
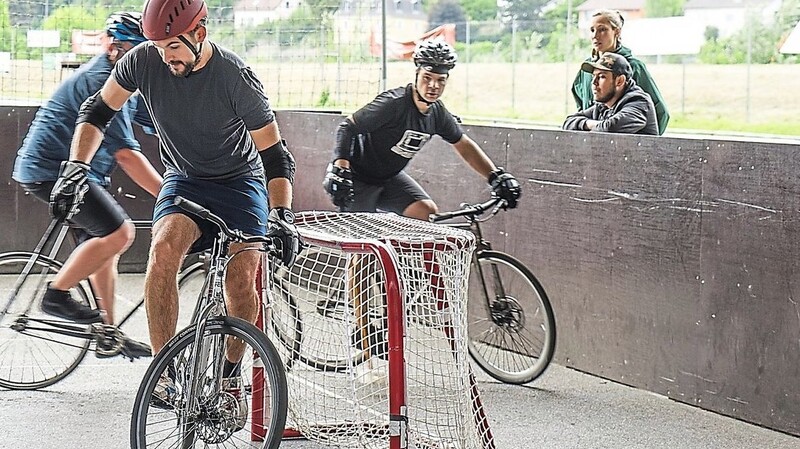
(218, 141)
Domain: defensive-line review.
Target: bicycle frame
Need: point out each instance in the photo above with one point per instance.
(472, 224)
(212, 304)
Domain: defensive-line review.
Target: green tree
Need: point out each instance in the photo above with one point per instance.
(322, 8)
(448, 11)
(762, 41)
(6, 43)
(480, 9)
(527, 14)
(664, 8)
(69, 18)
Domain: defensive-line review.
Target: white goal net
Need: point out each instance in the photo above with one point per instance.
(371, 322)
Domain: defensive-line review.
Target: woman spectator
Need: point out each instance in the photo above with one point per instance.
(606, 29)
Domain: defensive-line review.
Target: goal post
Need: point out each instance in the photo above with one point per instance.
(371, 323)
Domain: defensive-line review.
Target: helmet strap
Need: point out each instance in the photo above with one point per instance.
(419, 95)
(195, 51)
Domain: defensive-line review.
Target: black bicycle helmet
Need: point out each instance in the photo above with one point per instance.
(435, 56)
(125, 27)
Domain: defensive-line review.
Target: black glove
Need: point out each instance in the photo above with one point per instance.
(505, 186)
(339, 185)
(69, 189)
(280, 227)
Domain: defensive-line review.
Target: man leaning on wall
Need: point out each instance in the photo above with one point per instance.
(620, 106)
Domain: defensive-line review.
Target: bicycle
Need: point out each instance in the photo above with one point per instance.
(36, 349)
(201, 410)
(511, 328)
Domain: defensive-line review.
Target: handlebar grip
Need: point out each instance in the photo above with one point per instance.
(192, 207)
(435, 218)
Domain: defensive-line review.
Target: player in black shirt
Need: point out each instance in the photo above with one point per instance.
(375, 144)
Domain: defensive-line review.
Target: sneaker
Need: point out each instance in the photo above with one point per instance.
(60, 304)
(235, 387)
(164, 394)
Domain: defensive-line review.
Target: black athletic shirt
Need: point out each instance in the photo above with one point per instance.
(394, 130)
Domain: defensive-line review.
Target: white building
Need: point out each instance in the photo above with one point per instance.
(730, 16)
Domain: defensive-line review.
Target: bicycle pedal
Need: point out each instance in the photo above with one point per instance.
(108, 340)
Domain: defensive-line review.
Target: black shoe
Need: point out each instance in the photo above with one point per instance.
(59, 303)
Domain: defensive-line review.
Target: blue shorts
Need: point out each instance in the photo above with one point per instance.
(241, 203)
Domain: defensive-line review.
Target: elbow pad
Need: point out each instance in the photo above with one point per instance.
(345, 138)
(278, 162)
(95, 111)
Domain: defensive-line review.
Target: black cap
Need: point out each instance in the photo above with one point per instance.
(611, 62)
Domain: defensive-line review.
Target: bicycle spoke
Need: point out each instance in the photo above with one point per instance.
(512, 336)
(211, 416)
(35, 349)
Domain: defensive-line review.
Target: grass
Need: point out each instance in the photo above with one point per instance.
(717, 98)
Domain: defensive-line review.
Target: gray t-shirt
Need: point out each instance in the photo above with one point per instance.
(202, 120)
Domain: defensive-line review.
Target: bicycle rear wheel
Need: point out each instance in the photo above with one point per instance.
(36, 349)
(512, 330)
(215, 420)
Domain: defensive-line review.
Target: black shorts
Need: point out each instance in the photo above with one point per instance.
(393, 195)
(99, 214)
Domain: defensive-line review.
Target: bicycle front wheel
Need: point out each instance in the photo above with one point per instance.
(253, 417)
(512, 330)
(36, 349)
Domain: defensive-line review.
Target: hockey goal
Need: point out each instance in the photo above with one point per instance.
(371, 322)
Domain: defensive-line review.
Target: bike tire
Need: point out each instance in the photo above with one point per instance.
(32, 354)
(144, 432)
(512, 337)
(293, 322)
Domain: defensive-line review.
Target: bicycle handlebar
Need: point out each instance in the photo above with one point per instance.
(469, 210)
(235, 235)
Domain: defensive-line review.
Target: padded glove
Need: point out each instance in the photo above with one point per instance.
(505, 186)
(339, 185)
(68, 191)
(281, 228)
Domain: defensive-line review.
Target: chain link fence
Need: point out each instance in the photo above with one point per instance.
(326, 55)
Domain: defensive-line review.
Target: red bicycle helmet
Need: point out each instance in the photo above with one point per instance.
(163, 19)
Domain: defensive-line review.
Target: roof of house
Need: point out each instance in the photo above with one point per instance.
(620, 5)
(257, 5)
(713, 4)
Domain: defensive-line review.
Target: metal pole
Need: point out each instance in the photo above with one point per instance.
(513, 60)
(466, 68)
(683, 86)
(567, 55)
(384, 69)
(749, 58)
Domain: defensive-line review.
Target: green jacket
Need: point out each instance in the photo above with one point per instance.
(584, 97)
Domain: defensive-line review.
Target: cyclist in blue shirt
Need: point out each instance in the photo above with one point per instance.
(101, 226)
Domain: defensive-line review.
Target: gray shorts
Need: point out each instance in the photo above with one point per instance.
(394, 195)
